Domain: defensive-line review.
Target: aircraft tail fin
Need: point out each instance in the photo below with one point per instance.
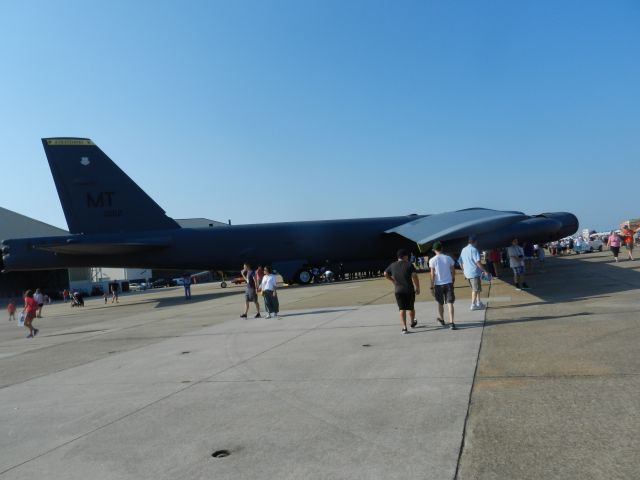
(96, 195)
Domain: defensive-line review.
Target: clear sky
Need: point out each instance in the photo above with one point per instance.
(261, 111)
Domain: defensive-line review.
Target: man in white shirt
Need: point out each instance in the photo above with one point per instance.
(516, 262)
(443, 275)
(473, 270)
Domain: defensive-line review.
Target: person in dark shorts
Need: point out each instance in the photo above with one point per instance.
(251, 291)
(407, 285)
(443, 276)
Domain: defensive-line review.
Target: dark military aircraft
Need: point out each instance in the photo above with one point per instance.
(114, 223)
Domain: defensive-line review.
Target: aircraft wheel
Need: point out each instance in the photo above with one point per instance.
(304, 277)
(223, 284)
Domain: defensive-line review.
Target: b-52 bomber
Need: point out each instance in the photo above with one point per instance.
(114, 223)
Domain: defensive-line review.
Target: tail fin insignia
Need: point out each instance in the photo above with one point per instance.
(96, 195)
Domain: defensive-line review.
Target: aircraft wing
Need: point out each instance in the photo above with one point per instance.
(493, 228)
(78, 247)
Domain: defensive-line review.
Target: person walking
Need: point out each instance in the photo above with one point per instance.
(442, 270)
(516, 262)
(39, 298)
(269, 293)
(11, 308)
(250, 293)
(406, 285)
(114, 294)
(473, 270)
(628, 235)
(614, 242)
(30, 311)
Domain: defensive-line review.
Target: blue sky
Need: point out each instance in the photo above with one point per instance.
(263, 111)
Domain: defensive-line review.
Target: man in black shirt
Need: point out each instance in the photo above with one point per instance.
(407, 285)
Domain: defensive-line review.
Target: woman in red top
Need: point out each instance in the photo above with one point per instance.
(628, 235)
(30, 309)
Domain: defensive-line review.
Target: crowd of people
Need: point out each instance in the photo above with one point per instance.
(403, 274)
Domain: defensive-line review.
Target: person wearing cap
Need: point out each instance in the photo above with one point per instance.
(443, 276)
(406, 284)
(473, 270)
(516, 262)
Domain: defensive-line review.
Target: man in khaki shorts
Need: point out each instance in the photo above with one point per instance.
(473, 270)
(443, 275)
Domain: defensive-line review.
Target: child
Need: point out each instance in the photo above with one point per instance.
(11, 308)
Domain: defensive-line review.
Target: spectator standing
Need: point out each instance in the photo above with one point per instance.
(406, 285)
(186, 283)
(442, 270)
(30, 311)
(473, 270)
(516, 262)
(495, 258)
(11, 308)
(528, 254)
(269, 292)
(259, 275)
(250, 293)
(39, 298)
(541, 255)
(65, 295)
(613, 242)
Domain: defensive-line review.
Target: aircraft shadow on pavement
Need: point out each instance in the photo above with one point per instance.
(574, 279)
(160, 302)
(314, 312)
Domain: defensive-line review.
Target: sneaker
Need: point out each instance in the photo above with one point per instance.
(35, 331)
(414, 323)
(481, 305)
(475, 307)
(441, 321)
(525, 286)
(244, 315)
(518, 286)
(31, 336)
(404, 330)
(452, 326)
(268, 315)
(257, 316)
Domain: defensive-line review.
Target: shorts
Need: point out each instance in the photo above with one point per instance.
(518, 270)
(476, 284)
(615, 251)
(405, 301)
(250, 295)
(444, 293)
(629, 246)
(41, 304)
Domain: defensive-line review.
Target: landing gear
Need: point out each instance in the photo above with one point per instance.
(303, 277)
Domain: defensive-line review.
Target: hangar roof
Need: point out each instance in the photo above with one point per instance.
(14, 225)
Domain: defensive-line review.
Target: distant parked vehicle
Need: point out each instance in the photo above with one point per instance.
(236, 281)
(137, 287)
(595, 243)
(163, 282)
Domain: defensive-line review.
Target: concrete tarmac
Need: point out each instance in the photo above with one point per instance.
(153, 386)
